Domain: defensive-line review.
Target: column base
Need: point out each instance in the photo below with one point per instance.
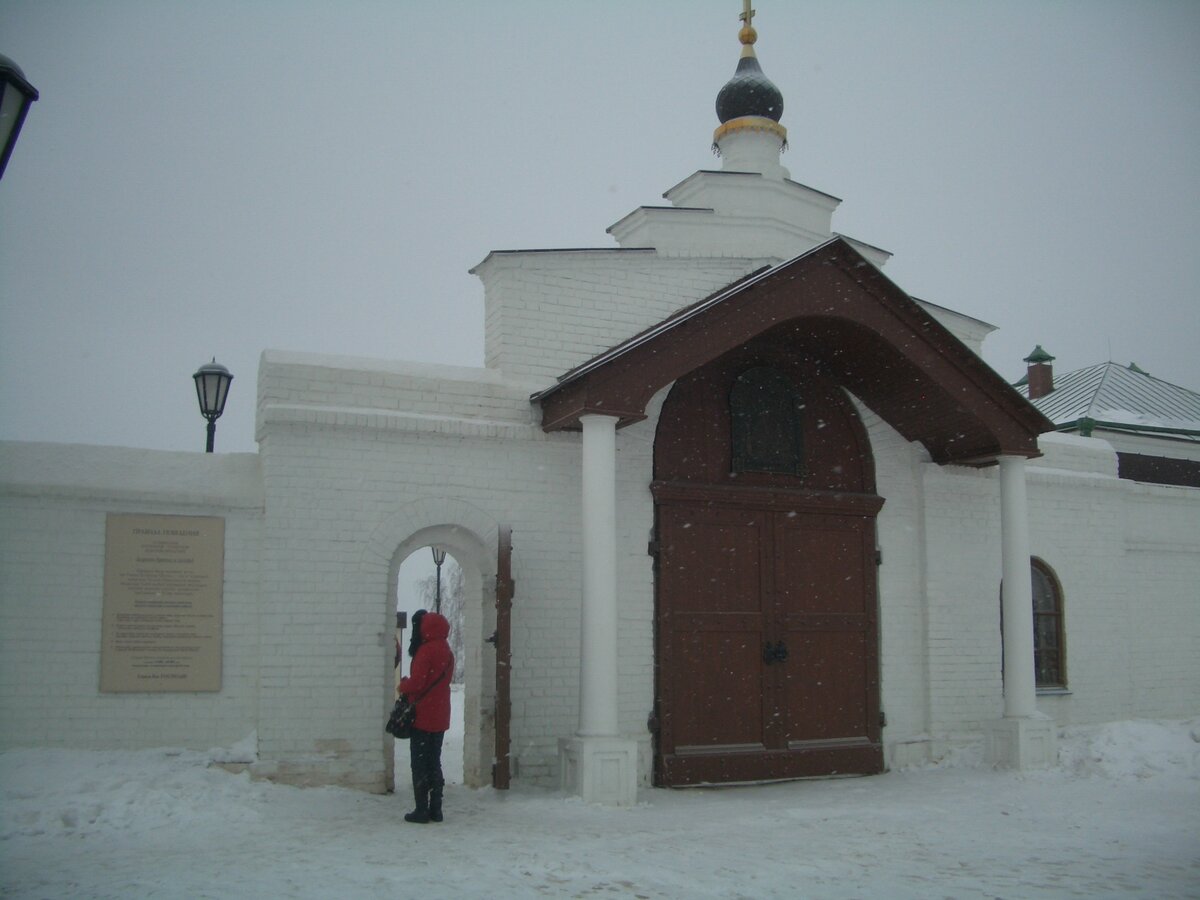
(601, 770)
(1021, 743)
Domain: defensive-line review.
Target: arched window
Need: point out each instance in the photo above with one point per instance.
(767, 419)
(1049, 645)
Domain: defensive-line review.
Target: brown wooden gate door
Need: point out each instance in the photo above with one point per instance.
(824, 590)
(767, 615)
(767, 644)
(711, 635)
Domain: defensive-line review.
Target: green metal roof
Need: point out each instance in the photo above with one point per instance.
(1122, 398)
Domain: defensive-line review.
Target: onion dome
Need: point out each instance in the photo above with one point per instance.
(749, 92)
(749, 101)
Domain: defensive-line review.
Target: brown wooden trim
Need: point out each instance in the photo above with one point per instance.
(564, 414)
(844, 622)
(505, 588)
(719, 749)
(871, 336)
(773, 499)
(808, 759)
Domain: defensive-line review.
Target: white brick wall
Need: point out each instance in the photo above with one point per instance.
(1075, 529)
(362, 461)
(548, 312)
(1128, 559)
(54, 500)
(962, 564)
(902, 617)
(1161, 527)
(318, 522)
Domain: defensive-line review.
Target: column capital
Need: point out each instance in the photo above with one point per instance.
(595, 417)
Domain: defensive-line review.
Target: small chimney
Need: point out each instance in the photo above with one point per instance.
(1040, 374)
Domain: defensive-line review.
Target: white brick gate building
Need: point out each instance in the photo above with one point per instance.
(361, 462)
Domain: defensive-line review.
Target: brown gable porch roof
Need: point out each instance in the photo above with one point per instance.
(832, 305)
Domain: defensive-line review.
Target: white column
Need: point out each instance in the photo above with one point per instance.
(597, 763)
(1020, 686)
(1024, 738)
(598, 622)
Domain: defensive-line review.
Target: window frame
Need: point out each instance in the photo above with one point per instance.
(1050, 588)
(783, 408)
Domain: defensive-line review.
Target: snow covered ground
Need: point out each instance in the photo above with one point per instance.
(1119, 817)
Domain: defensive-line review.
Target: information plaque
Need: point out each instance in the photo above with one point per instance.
(163, 585)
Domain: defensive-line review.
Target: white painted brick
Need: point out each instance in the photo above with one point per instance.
(360, 458)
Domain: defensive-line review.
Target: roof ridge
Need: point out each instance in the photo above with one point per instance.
(1105, 378)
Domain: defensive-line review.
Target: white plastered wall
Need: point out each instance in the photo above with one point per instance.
(363, 460)
(317, 524)
(54, 503)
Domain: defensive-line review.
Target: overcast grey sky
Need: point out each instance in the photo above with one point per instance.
(215, 178)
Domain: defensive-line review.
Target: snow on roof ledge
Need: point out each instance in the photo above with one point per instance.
(1072, 453)
(131, 474)
(403, 367)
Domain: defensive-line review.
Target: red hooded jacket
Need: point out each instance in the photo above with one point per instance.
(433, 658)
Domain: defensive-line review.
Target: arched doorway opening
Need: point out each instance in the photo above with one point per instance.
(767, 654)
(423, 583)
(467, 756)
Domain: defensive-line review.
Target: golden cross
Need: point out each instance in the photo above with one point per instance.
(747, 13)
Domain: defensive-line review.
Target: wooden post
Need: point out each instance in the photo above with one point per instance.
(505, 586)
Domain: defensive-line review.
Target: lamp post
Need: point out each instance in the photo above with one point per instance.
(212, 387)
(439, 557)
(16, 96)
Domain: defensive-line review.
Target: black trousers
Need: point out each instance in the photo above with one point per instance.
(425, 749)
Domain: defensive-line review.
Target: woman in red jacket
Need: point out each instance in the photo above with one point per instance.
(428, 679)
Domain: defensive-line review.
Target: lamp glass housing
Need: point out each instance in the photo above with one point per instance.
(212, 388)
(16, 96)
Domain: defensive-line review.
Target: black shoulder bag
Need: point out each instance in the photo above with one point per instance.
(400, 722)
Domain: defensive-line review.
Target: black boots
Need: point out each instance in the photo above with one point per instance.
(420, 815)
(435, 804)
(429, 805)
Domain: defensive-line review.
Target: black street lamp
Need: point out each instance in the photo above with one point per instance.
(212, 387)
(16, 96)
(439, 557)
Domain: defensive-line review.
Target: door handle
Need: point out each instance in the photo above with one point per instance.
(775, 653)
